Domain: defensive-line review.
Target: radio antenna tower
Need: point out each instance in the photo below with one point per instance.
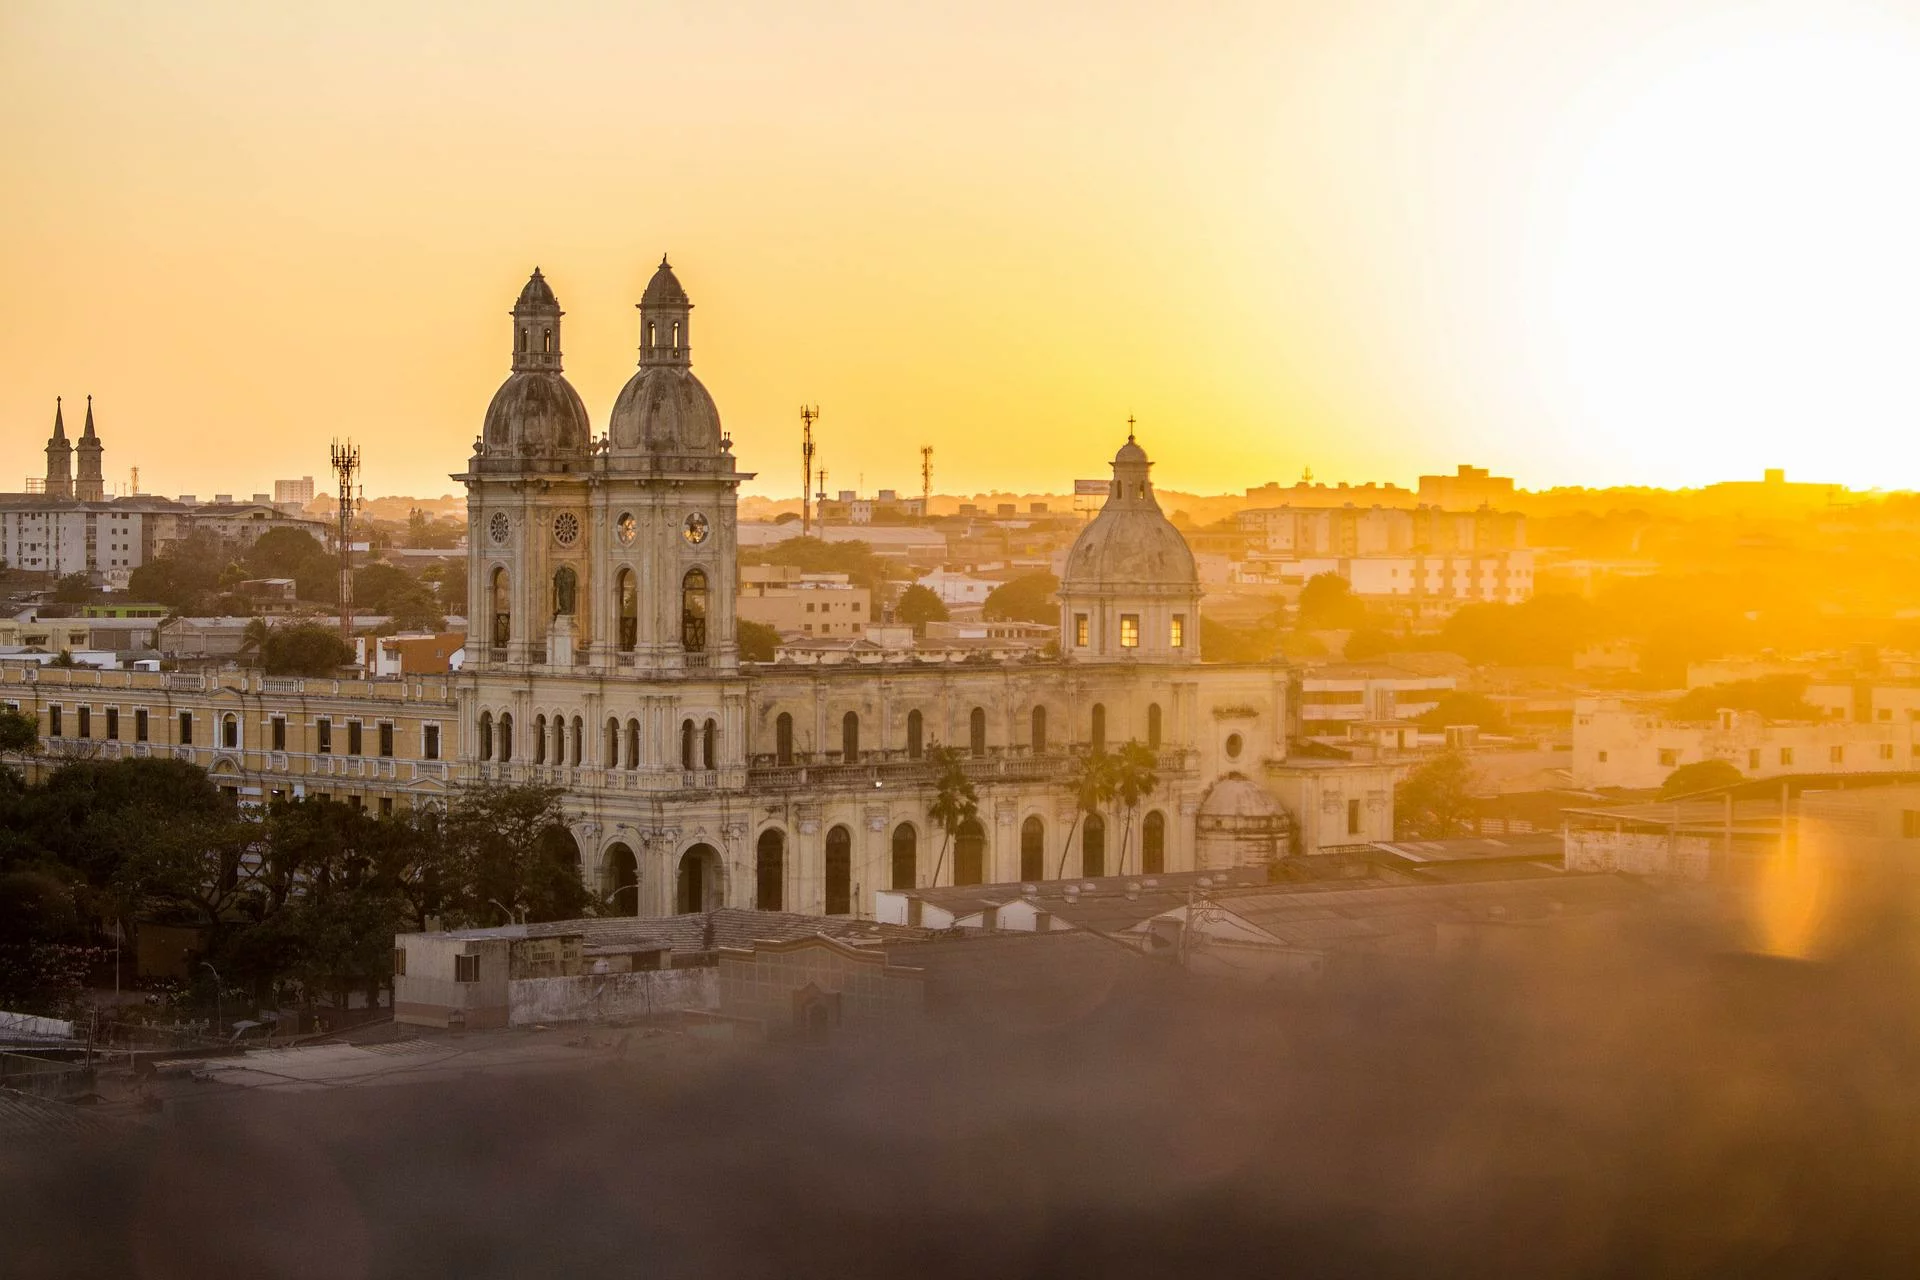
(809, 414)
(346, 461)
(926, 481)
(820, 501)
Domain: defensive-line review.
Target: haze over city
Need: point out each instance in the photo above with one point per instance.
(1366, 240)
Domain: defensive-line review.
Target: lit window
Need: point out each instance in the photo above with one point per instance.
(1129, 631)
(1177, 632)
(1080, 629)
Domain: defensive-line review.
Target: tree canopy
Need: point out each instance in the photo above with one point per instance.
(1436, 799)
(918, 606)
(304, 649)
(1028, 598)
(1700, 775)
(757, 640)
(1327, 603)
(1774, 697)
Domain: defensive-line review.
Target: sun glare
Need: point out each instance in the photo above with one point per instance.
(1736, 272)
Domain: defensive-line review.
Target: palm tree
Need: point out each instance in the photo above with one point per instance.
(1133, 780)
(1092, 784)
(254, 639)
(954, 801)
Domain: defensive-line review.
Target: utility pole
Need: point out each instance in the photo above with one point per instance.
(808, 414)
(346, 461)
(820, 501)
(926, 481)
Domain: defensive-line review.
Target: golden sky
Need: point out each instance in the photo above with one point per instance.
(1580, 241)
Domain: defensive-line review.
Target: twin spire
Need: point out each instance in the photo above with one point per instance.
(665, 323)
(61, 482)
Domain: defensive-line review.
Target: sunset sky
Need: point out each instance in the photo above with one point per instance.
(1578, 241)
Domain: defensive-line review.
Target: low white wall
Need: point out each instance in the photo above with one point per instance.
(1640, 854)
(595, 997)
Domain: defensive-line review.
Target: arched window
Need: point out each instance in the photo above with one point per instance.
(1153, 843)
(565, 583)
(506, 736)
(620, 880)
(559, 739)
(839, 872)
(686, 745)
(502, 610)
(651, 343)
(523, 338)
(905, 849)
(1153, 726)
(229, 731)
(610, 753)
(628, 598)
(710, 745)
(977, 731)
(1039, 731)
(539, 739)
(633, 744)
(850, 737)
(699, 879)
(1093, 846)
(969, 853)
(1099, 734)
(916, 735)
(546, 341)
(1033, 849)
(486, 735)
(769, 871)
(783, 739)
(579, 742)
(676, 335)
(693, 611)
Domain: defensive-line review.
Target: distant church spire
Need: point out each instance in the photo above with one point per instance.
(666, 328)
(59, 457)
(90, 486)
(536, 327)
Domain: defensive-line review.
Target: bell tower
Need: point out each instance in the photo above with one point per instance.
(91, 486)
(59, 457)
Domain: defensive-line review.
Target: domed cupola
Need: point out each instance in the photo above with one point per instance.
(1130, 591)
(536, 413)
(664, 411)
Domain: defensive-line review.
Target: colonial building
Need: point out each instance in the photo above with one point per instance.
(601, 658)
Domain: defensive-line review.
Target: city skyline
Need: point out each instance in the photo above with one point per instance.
(1286, 239)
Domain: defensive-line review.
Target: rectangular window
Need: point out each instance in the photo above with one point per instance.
(466, 968)
(1603, 757)
(186, 728)
(323, 737)
(1669, 757)
(357, 802)
(1129, 631)
(1836, 754)
(1353, 817)
(1786, 755)
(1753, 758)
(386, 806)
(86, 722)
(1886, 751)
(430, 742)
(1177, 632)
(139, 724)
(53, 722)
(1080, 629)
(113, 724)
(399, 962)
(278, 726)
(353, 737)
(386, 737)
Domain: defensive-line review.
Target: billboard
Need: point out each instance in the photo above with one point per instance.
(1091, 488)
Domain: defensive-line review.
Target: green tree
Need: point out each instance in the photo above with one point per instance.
(1701, 775)
(416, 609)
(1258, 642)
(19, 733)
(813, 555)
(304, 649)
(1327, 603)
(954, 801)
(1134, 778)
(74, 588)
(1774, 697)
(918, 606)
(1028, 598)
(1092, 783)
(1368, 643)
(757, 640)
(1436, 799)
(279, 553)
(254, 639)
(377, 586)
(510, 846)
(1461, 707)
(183, 577)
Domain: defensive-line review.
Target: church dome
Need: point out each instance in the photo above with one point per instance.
(665, 409)
(537, 412)
(1130, 545)
(664, 289)
(536, 293)
(1236, 799)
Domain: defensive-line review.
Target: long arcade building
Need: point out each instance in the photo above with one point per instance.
(601, 658)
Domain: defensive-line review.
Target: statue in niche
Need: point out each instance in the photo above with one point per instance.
(564, 584)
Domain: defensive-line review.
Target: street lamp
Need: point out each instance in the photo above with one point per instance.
(507, 910)
(217, 984)
(614, 897)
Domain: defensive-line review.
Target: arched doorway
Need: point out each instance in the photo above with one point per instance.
(906, 847)
(850, 737)
(1093, 846)
(698, 883)
(769, 871)
(620, 881)
(1153, 843)
(1033, 849)
(839, 872)
(969, 853)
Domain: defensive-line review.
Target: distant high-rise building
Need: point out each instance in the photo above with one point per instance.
(293, 493)
(1467, 489)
